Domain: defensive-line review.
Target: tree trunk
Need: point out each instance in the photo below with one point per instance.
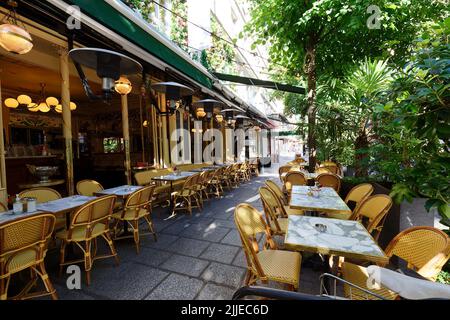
(361, 143)
(310, 65)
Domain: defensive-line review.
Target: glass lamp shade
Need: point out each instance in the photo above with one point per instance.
(219, 118)
(24, 99)
(33, 107)
(200, 112)
(11, 103)
(15, 39)
(43, 107)
(58, 108)
(123, 86)
(51, 101)
(73, 106)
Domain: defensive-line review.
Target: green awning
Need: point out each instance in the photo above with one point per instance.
(260, 83)
(113, 19)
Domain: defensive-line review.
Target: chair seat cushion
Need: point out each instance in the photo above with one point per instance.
(184, 193)
(130, 214)
(358, 275)
(21, 260)
(282, 266)
(79, 233)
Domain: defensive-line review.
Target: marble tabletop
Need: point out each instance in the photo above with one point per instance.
(56, 206)
(320, 203)
(324, 191)
(121, 191)
(64, 204)
(173, 177)
(341, 237)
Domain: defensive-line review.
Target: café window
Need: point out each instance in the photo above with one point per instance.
(26, 136)
(113, 145)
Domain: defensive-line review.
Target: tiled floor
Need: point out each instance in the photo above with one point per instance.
(198, 257)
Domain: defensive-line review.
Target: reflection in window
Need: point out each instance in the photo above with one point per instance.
(112, 145)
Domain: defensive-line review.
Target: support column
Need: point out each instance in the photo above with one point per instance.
(126, 137)
(67, 118)
(3, 191)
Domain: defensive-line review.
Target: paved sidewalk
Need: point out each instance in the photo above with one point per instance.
(198, 257)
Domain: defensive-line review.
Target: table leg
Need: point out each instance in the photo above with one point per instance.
(171, 204)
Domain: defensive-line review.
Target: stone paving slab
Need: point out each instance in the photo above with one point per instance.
(195, 257)
(220, 252)
(176, 287)
(186, 265)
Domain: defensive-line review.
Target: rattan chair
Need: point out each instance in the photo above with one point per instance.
(44, 194)
(89, 222)
(373, 212)
(358, 194)
(227, 177)
(330, 180)
(277, 190)
(3, 208)
(294, 178)
(276, 218)
(322, 170)
(215, 184)
(187, 198)
(279, 195)
(23, 245)
(265, 265)
(425, 249)
(88, 187)
(283, 169)
(138, 206)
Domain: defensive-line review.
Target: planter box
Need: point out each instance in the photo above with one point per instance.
(414, 214)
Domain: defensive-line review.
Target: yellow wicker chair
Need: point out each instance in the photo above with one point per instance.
(358, 194)
(23, 245)
(425, 249)
(281, 198)
(329, 180)
(276, 218)
(183, 199)
(89, 222)
(322, 170)
(227, 177)
(215, 183)
(265, 265)
(44, 194)
(373, 212)
(277, 190)
(137, 206)
(283, 169)
(88, 187)
(294, 179)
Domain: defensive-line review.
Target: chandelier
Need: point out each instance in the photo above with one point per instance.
(13, 37)
(43, 104)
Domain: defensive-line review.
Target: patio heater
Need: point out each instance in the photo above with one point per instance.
(174, 92)
(110, 66)
(207, 106)
(230, 120)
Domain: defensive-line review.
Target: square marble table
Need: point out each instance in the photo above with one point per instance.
(321, 203)
(324, 191)
(57, 207)
(171, 178)
(121, 191)
(64, 205)
(341, 238)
